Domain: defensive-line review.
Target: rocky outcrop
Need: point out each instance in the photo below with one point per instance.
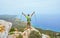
(26, 33)
(7, 26)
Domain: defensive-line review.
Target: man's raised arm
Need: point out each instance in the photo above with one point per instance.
(23, 14)
(32, 13)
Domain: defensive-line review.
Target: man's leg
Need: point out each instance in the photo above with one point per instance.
(28, 25)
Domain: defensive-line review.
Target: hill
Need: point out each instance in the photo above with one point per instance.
(17, 23)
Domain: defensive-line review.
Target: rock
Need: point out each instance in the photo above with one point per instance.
(45, 36)
(15, 34)
(7, 28)
(27, 32)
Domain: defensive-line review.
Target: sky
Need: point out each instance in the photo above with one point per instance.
(47, 12)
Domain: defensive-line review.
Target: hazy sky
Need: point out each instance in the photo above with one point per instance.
(47, 12)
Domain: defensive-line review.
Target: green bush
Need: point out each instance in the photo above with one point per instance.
(12, 29)
(34, 34)
(20, 36)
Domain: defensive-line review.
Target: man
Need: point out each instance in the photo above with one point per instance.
(28, 17)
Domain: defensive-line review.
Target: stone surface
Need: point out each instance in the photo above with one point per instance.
(27, 32)
(7, 26)
(45, 36)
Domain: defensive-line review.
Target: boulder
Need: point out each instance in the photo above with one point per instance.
(5, 26)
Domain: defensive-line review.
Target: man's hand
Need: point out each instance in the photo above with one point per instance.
(23, 14)
(33, 13)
